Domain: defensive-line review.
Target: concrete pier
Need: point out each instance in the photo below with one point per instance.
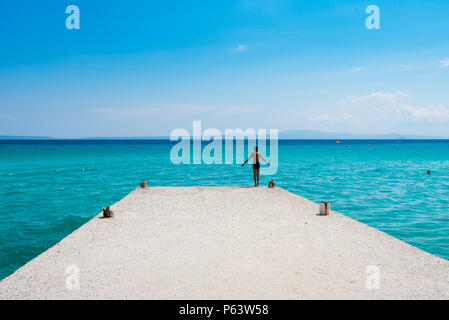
(227, 243)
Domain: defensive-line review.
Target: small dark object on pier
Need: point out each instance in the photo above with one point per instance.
(144, 185)
(271, 184)
(428, 171)
(108, 212)
(325, 208)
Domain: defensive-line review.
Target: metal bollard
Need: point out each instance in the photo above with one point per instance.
(325, 208)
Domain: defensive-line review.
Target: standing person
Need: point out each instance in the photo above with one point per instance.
(256, 165)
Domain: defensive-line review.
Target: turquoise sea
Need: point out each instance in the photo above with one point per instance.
(50, 188)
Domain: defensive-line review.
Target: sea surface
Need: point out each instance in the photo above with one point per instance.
(50, 188)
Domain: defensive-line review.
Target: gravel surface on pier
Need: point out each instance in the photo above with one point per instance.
(227, 243)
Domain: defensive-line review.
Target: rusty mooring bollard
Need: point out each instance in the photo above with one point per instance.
(271, 184)
(144, 185)
(325, 208)
(108, 212)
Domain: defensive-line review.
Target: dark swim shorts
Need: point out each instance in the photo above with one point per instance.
(256, 166)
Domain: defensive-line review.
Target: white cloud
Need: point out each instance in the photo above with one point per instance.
(161, 119)
(383, 107)
(151, 111)
(240, 48)
(444, 62)
(358, 69)
(407, 67)
(394, 107)
(382, 96)
(169, 111)
(325, 117)
(5, 116)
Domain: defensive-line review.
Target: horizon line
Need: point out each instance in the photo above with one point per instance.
(32, 138)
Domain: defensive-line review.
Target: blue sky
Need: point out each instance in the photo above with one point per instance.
(144, 68)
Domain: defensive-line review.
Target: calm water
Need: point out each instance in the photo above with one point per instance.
(50, 188)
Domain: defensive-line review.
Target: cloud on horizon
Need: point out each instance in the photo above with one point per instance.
(240, 48)
(325, 117)
(168, 111)
(444, 62)
(383, 107)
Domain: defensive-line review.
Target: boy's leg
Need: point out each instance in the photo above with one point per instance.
(258, 176)
(255, 177)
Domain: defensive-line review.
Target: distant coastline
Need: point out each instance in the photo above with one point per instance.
(25, 138)
(283, 135)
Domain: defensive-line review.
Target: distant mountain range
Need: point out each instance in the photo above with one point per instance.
(284, 135)
(312, 134)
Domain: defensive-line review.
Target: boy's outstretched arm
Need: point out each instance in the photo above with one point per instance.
(247, 160)
(264, 160)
